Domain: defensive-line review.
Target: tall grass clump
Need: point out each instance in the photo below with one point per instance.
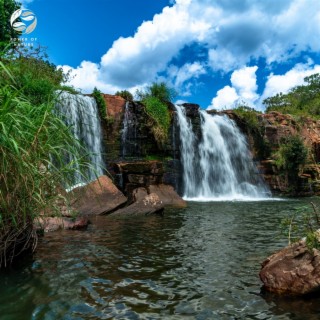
(34, 143)
(160, 118)
(156, 99)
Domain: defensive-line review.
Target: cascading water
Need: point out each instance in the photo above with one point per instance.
(125, 130)
(80, 113)
(220, 167)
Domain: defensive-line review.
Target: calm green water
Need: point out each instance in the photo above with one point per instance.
(198, 263)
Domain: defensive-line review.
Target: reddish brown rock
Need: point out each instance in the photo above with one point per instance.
(294, 270)
(59, 223)
(115, 105)
(167, 195)
(139, 167)
(145, 204)
(98, 197)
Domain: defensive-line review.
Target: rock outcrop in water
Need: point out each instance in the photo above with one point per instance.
(98, 197)
(144, 204)
(293, 270)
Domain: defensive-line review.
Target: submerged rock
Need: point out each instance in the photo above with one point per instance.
(98, 197)
(294, 270)
(59, 223)
(145, 204)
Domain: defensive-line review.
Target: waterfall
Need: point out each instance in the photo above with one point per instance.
(80, 113)
(219, 166)
(125, 130)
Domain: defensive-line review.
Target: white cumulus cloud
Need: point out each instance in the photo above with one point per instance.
(244, 89)
(226, 98)
(292, 78)
(233, 34)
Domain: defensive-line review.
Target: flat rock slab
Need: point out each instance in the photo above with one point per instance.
(145, 204)
(98, 197)
(167, 195)
(293, 270)
(140, 167)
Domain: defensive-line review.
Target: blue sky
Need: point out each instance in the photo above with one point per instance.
(216, 53)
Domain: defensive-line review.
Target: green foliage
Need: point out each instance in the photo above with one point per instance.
(303, 223)
(37, 79)
(34, 143)
(102, 106)
(125, 94)
(156, 98)
(159, 113)
(291, 155)
(249, 116)
(301, 101)
(7, 7)
(157, 90)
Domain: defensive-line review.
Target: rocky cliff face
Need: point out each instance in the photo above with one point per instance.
(274, 128)
(131, 151)
(134, 142)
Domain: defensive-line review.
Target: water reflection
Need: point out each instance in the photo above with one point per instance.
(198, 263)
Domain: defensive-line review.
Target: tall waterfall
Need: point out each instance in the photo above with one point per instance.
(80, 113)
(219, 166)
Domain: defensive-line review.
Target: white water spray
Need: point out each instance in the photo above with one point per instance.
(80, 113)
(220, 166)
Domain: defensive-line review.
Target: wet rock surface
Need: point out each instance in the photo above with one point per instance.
(294, 270)
(144, 204)
(167, 195)
(98, 197)
(61, 223)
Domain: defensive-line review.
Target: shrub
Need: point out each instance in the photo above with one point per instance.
(249, 116)
(304, 223)
(102, 106)
(160, 116)
(156, 99)
(291, 155)
(125, 94)
(157, 90)
(37, 79)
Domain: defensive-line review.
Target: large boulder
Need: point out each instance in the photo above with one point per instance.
(98, 197)
(293, 270)
(167, 195)
(145, 204)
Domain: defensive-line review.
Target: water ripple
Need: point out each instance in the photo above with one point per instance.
(198, 263)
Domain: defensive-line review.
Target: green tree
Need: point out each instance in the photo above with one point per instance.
(160, 91)
(301, 100)
(291, 155)
(125, 94)
(7, 7)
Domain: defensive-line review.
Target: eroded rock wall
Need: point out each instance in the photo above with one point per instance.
(273, 129)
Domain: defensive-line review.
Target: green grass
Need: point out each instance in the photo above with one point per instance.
(34, 143)
(159, 113)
